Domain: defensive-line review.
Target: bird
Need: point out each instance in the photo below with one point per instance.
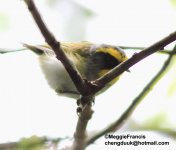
(91, 60)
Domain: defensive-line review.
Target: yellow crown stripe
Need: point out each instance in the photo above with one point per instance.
(113, 52)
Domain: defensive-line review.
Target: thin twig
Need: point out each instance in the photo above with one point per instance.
(164, 51)
(102, 81)
(55, 45)
(83, 87)
(5, 50)
(117, 124)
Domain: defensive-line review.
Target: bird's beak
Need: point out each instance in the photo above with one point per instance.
(128, 71)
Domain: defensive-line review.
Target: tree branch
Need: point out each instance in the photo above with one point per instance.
(80, 135)
(55, 45)
(117, 124)
(86, 89)
(163, 51)
(81, 85)
(102, 81)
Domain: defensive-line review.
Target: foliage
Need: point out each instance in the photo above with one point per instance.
(32, 143)
(173, 2)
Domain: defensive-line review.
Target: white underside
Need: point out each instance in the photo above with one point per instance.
(57, 76)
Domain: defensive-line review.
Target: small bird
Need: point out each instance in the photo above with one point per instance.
(91, 60)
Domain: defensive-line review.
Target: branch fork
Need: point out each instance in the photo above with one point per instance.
(88, 89)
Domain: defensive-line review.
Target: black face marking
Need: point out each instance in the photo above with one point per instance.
(105, 60)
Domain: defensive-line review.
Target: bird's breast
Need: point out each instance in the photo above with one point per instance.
(56, 75)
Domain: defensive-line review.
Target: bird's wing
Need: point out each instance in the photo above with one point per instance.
(79, 48)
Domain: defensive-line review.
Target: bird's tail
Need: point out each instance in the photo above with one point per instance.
(40, 49)
(36, 49)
